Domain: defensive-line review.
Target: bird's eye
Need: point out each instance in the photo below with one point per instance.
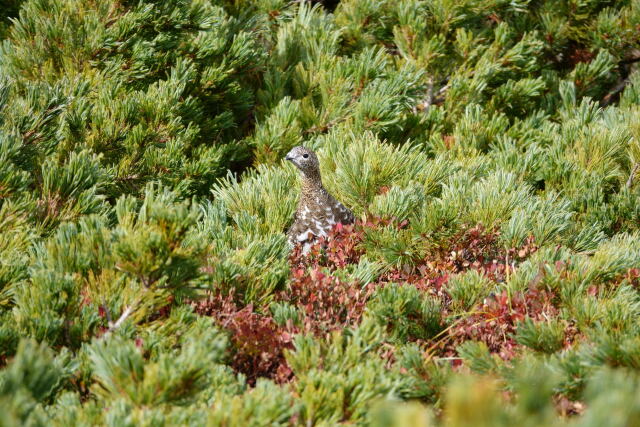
(306, 156)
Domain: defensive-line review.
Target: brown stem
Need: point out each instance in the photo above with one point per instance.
(125, 314)
(632, 175)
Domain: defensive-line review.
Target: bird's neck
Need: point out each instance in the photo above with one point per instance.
(311, 182)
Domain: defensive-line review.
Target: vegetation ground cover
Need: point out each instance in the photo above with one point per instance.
(490, 150)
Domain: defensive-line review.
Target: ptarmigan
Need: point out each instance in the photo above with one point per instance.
(318, 211)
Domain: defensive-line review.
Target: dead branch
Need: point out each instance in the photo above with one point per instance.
(113, 326)
(632, 175)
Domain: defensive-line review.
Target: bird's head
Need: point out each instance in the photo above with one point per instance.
(304, 159)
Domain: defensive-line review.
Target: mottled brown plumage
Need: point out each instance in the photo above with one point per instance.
(318, 211)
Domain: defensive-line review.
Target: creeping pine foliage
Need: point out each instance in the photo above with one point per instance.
(490, 151)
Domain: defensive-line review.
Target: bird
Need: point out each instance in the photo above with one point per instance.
(318, 211)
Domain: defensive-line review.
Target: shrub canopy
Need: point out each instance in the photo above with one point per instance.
(490, 149)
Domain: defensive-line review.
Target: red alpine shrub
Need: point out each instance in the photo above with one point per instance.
(258, 343)
(326, 301)
(495, 320)
(478, 248)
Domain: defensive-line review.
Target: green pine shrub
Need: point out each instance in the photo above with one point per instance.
(489, 149)
(406, 313)
(546, 336)
(468, 288)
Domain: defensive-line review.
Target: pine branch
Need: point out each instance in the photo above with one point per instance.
(125, 314)
(428, 99)
(632, 175)
(611, 96)
(107, 312)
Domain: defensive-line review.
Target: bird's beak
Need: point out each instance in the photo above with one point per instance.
(288, 157)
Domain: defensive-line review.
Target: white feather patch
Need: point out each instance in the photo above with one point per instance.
(304, 236)
(305, 248)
